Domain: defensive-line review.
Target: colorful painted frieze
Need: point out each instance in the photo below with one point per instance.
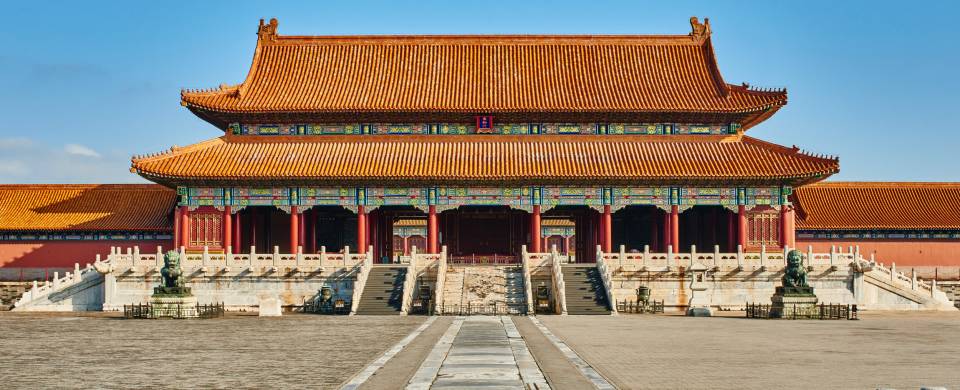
(574, 196)
(497, 128)
(511, 196)
(708, 196)
(635, 196)
(877, 235)
(277, 196)
(321, 196)
(396, 196)
(84, 236)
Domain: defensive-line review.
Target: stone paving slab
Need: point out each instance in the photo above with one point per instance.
(480, 352)
(82, 351)
(559, 372)
(401, 368)
(903, 350)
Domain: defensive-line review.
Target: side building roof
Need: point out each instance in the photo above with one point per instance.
(86, 207)
(485, 159)
(483, 74)
(878, 206)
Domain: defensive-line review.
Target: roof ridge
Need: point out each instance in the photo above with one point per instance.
(105, 186)
(795, 149)
(174, 150)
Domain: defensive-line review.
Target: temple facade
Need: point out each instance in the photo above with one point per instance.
(624, 154)
(623, 140)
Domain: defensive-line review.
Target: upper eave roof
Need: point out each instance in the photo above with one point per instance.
(878, 206)
(485, 159)
(86, 207)
(485, 74)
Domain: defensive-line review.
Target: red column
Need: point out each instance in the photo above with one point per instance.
(227, 229)
(742, 226)
(184, 226)
(302, 233)
(786, 226)
(607, 229)
(566, 245)
(791, 227)
(294, 229)
(176, 227)
(535, 230)
(406, 246)
(432, 239)
(361, 230)
(236, 233)
(675, 227)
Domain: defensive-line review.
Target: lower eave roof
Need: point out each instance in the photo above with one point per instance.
(490, 159)
(878, 206)
(86, 207)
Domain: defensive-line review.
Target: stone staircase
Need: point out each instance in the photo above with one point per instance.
(10, 292)
(584, 289)
(383, 293)
(484, 285)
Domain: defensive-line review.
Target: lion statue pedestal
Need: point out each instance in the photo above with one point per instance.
(172, 299)
(795, 298)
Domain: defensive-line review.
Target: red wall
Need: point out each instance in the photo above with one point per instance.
(906, 253)
(63, 254)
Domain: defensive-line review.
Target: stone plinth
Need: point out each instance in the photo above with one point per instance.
(790, 302)
(699, 304)
(173, 306)
(271, 307)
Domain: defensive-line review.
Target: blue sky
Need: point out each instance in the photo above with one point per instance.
(84, 85)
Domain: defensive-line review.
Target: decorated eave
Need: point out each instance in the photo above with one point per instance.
(575, 78)
(878, 206)
(484, 160)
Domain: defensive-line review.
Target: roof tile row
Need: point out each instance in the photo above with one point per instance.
(86, 207)
(485, 158)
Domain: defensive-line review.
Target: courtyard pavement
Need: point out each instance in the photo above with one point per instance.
(904, 350)
(71, 350)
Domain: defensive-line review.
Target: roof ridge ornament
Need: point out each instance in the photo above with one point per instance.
(700, 31)
(268, 31)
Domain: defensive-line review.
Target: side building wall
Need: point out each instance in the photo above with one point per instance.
(930, 258)
(34, 256)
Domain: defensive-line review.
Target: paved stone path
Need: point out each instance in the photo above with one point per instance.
(480, 352)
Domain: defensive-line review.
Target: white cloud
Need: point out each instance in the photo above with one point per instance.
(13, 168)
(25, 160)
(80, 150)
(15, 143)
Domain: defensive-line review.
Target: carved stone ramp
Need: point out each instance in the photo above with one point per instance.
(924, 299)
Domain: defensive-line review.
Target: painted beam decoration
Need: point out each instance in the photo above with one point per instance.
(877, 235)
(487, 127)
(84, 236)
(573, 196)
(516, 197)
